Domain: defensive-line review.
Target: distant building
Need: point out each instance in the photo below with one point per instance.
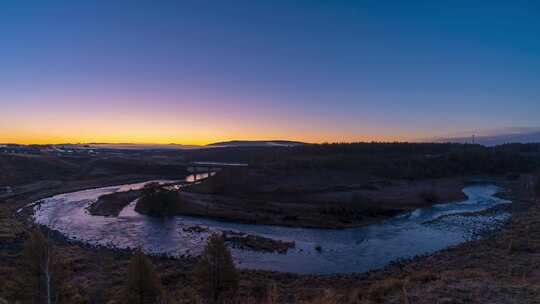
(18, 149)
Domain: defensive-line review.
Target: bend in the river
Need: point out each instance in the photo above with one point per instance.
(319, 251)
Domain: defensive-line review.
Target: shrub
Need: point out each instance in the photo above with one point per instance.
(143, 285)
(382, 289)
(423, 277)
(260, 293)
(156, 201)
(216, 275)
(328, 297)
(44, 268)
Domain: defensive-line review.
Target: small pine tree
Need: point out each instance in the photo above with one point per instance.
(216, 275)
(143, 285)
(44, 269)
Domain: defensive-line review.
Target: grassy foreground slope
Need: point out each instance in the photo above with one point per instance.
(502, 268)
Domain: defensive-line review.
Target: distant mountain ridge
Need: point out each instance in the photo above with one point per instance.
(128, 146)
(257, 143)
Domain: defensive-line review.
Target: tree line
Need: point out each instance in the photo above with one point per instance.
(215, 275)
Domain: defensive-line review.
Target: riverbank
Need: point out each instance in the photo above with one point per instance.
(502, 268)
(345, 202)
(112, 204)
(317, 251)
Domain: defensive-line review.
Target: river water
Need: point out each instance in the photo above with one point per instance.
(317, 251)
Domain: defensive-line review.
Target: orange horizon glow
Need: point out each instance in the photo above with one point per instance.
(144, 134)
(194, 73)
(31, 140)
(118, 119)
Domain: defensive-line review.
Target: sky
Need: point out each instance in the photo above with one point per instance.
(196, 72)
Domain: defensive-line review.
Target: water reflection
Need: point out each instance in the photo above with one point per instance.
(349, 250)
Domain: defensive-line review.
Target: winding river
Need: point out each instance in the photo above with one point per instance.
(317, 251)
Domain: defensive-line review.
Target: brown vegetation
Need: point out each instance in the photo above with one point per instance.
(407, 160)
(316, 199)
(482, 271)
(143, 285)
(256, 242)
(30, 168)
(500, 269)
(112, 204)
(20, 169)
(158, 201)
(227, 181)
(215, 274)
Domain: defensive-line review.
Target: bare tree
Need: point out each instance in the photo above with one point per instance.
(44, 268)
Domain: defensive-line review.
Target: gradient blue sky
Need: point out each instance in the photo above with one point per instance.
(200, 71)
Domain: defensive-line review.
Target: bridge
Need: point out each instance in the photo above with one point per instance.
(204, 169)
